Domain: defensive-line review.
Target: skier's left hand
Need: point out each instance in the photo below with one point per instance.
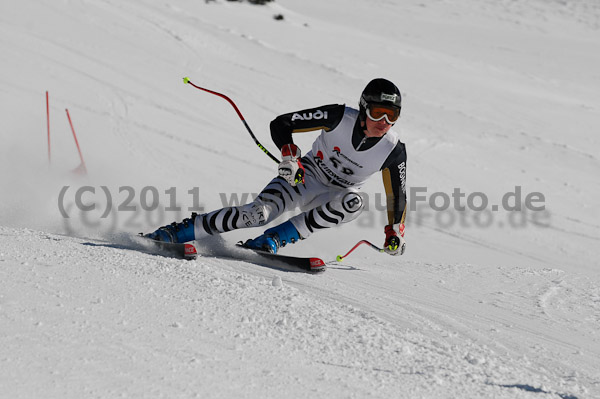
(291, 168)
(394, 243)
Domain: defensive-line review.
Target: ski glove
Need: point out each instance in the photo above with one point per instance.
(394, 244)
(290, 167)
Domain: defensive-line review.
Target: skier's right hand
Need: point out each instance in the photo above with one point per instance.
(394, 243)
(290, 167)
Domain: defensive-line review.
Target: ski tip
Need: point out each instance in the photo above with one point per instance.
(317, 265)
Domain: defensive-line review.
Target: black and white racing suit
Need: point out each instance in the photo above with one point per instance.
(342, 158)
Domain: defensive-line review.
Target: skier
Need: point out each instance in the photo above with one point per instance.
(324, 184)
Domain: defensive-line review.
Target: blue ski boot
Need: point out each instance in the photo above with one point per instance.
(275, 238)
(175, 232)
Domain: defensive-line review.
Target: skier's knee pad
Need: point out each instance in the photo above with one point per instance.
(351, 204)
(342, 209)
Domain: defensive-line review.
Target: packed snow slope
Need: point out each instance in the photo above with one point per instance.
(501, 107)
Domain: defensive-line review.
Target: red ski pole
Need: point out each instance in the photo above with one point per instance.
(339, 258)
(188, 81)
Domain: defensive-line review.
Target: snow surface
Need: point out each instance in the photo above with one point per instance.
(497, 94)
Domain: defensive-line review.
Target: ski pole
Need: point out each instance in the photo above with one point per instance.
(339, 258)
(187, 80)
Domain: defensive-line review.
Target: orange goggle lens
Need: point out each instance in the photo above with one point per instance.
(377, 113)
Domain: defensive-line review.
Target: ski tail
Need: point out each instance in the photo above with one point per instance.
(187, 250)
(190, 251)
(317, 265)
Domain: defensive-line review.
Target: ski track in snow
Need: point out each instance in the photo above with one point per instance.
(367, 338)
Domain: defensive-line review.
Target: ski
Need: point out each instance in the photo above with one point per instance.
(185, 250)
(313, 265)
(191, 250)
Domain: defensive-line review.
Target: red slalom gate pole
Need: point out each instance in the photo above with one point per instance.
(48, 123)
(187, 80)
(81, 167)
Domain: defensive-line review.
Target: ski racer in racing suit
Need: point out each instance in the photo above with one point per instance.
(324, 183)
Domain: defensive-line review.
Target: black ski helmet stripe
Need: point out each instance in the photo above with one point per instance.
(380, 91)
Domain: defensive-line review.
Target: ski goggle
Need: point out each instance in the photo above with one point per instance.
(378, 112)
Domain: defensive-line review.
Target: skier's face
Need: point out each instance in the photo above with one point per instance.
(376, 128)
